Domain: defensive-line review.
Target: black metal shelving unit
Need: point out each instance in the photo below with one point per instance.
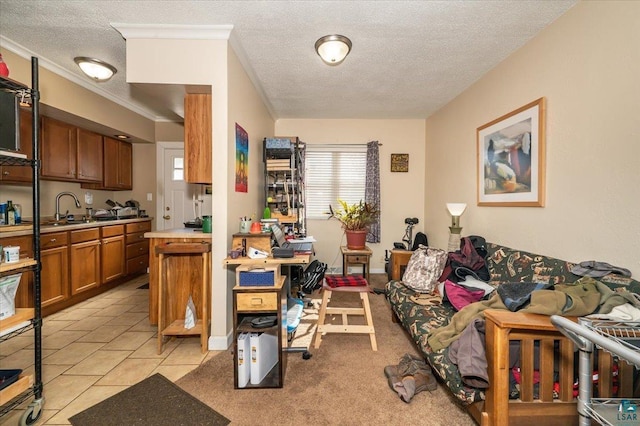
(26, 319)
(284, 191)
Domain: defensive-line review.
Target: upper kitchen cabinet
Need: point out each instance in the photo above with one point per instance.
(70, 153)
(197, 138)
(118, 159)
(21, 174)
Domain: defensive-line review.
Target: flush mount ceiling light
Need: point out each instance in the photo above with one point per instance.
(333, 48)
(96, 69)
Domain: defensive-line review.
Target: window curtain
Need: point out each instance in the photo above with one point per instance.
(372, 188)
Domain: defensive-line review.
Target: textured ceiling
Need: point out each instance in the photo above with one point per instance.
(409, 58)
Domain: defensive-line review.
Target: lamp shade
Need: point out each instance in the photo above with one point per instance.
(98, 70)
(333, 48)
(456, 209)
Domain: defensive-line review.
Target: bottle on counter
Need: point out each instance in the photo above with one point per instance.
(18, 210)
(11, 213)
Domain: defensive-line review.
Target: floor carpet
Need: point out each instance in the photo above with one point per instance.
(154, 401)
(341, 384)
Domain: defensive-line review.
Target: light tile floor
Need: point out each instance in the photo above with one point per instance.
(95, 349)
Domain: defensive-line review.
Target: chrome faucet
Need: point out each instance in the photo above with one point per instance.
(58, 216)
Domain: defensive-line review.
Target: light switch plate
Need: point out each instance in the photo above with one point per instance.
(149, 196)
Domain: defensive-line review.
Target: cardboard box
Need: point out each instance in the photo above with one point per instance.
(8, 288)
(261, 276)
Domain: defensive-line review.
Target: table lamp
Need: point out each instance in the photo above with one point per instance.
(455, 210)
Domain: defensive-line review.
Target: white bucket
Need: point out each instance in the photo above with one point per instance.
(11, 254)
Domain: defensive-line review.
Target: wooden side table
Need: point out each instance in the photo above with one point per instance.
(399, 261)
(356, 257)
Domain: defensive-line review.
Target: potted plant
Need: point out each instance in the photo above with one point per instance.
(355, 219)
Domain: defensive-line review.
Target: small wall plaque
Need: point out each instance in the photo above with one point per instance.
(399, 162)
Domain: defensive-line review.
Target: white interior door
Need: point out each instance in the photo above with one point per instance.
(175, 197)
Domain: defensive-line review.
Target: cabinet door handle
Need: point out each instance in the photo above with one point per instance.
(53, 240)
(6, 173)
(166, 217)
(256, 301)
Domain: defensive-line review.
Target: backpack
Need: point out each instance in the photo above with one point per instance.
(313, 276)
(424, 268)
(421, 238)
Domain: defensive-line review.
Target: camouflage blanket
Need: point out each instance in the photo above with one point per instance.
(505, 265)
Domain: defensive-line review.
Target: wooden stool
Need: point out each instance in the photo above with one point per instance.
(176, 327)
(345, 327)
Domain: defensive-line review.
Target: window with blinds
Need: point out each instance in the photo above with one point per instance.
(333, 172)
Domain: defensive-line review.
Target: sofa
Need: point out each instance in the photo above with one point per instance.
(546, 392)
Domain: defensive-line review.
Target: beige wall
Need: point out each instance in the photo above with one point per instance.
(402, 194)
(246, 108)
(587, 65)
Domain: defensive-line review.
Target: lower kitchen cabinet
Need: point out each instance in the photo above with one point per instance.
(54, 256)
(137, 256)
(112, 253)
(82, 263)
(85, 260)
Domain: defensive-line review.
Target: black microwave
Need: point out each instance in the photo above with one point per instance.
(9, 121)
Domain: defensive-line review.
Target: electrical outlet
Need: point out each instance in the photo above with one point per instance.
(149, 196)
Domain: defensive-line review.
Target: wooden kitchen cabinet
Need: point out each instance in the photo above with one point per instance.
(58, 150)
(137, 256)
(85, 260)
(112, 253)
(90, 154)
(117, 171)
(21, 174)
(82, 263)
(197, 138)
(70, 153)
(54, 256)
(118, 164)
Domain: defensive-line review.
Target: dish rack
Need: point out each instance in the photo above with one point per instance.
(622, 340)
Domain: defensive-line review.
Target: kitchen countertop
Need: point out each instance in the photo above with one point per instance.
(178, 233)
(47, 229)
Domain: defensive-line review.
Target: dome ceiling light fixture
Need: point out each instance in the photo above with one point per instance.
(96, 69)
(333, 48)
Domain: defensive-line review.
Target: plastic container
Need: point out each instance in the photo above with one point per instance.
(206, 224)
(11, 254)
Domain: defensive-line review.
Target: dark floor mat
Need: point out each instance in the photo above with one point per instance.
(154, 401)
(143, 286)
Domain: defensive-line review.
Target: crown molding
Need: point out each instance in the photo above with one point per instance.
(190, 32)
(56, 69)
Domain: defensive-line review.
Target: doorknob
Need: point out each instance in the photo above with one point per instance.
(166, 217)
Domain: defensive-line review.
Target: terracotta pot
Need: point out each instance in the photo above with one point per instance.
(356, 240)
